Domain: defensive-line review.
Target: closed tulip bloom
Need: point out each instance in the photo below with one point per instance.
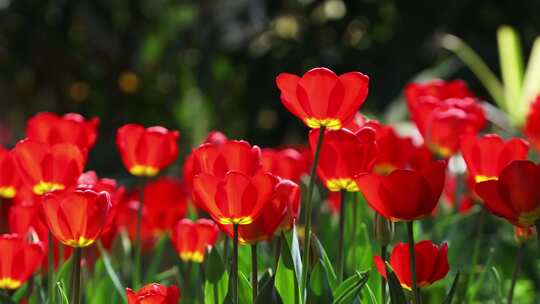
(76, 217)
(19, 259)
(70, 128)
(234, 199)
(274, 214)
(154, 294)
(9, 175)
(515, 195)
(45, 168)
(233, 155)
(404, 195)
(344, 155)
(145, 152)
(287, 163)
(165, 203)
(191, 239)
(320, 98)
(431, 263)
(488, 155)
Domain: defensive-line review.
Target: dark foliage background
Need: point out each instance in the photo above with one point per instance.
(211, 64)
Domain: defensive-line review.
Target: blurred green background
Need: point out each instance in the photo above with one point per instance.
(211, 64)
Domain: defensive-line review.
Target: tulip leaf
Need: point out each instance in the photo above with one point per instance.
(19, 293)
(372, 297)
(498, 285)
(110, 271)
(396, 291)
(349, 289)
(511, 61)
(286, 280)
(244, 289)
(531, 80)
(316, 280)
(62, 291)
(325, 262)
(217, 279)
(452, 292)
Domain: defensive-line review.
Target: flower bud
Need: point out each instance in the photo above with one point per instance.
(383, 230)
(524, 234)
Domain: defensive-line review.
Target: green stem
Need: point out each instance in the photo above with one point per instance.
(307, 215)
(517, 267)
(341, 253)
(138, 241)
(76, 276)
(538, 231)
(354, 219)
(51, 282)
(412, 258)
(277, 250)
(187, 276)
(254, 274)
(476, 250)
(383, 280)
(234, 271)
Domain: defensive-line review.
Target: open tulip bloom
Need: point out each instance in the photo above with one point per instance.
(191, 239)
(19, 259)
(153, 294)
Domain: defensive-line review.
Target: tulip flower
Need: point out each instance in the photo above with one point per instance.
(191, 239)
(19, 259)
(404, 194)
(70, 128)
(287, 163)
(145, 152)
(285, 197)
(515, 195)
(233, 155)
(532, 125)
(236, 198)
(320, 98)
(431, 263)
(165, 203)
(76, 217)
(154, 294)
(45, 168)
(191, 167)
(443, 113)
(343, 156)
(9, 175)
(488, 155)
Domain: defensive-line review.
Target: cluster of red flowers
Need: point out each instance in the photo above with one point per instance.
(252, 194)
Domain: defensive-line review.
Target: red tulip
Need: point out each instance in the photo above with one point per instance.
(431, 263)
(165, 203)
(278, 211)
(344, 155)
(19, 259)
(404, 195)
(532, 125)
(126, 219)
(90, 180)
(287, 163)
(154, 294)
(191, 167)
(234, 199)
(334, 202)
(488, 155)
(9, 175)
(71, 128)
(320, 98)
(191, 239)
(515, 195)
(47, 168)
(466, 202)
(443, 113)
(145, 152)
(76, 217)
(233, 155)
(27, 221)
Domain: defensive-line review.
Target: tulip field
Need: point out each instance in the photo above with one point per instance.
(440, 207)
